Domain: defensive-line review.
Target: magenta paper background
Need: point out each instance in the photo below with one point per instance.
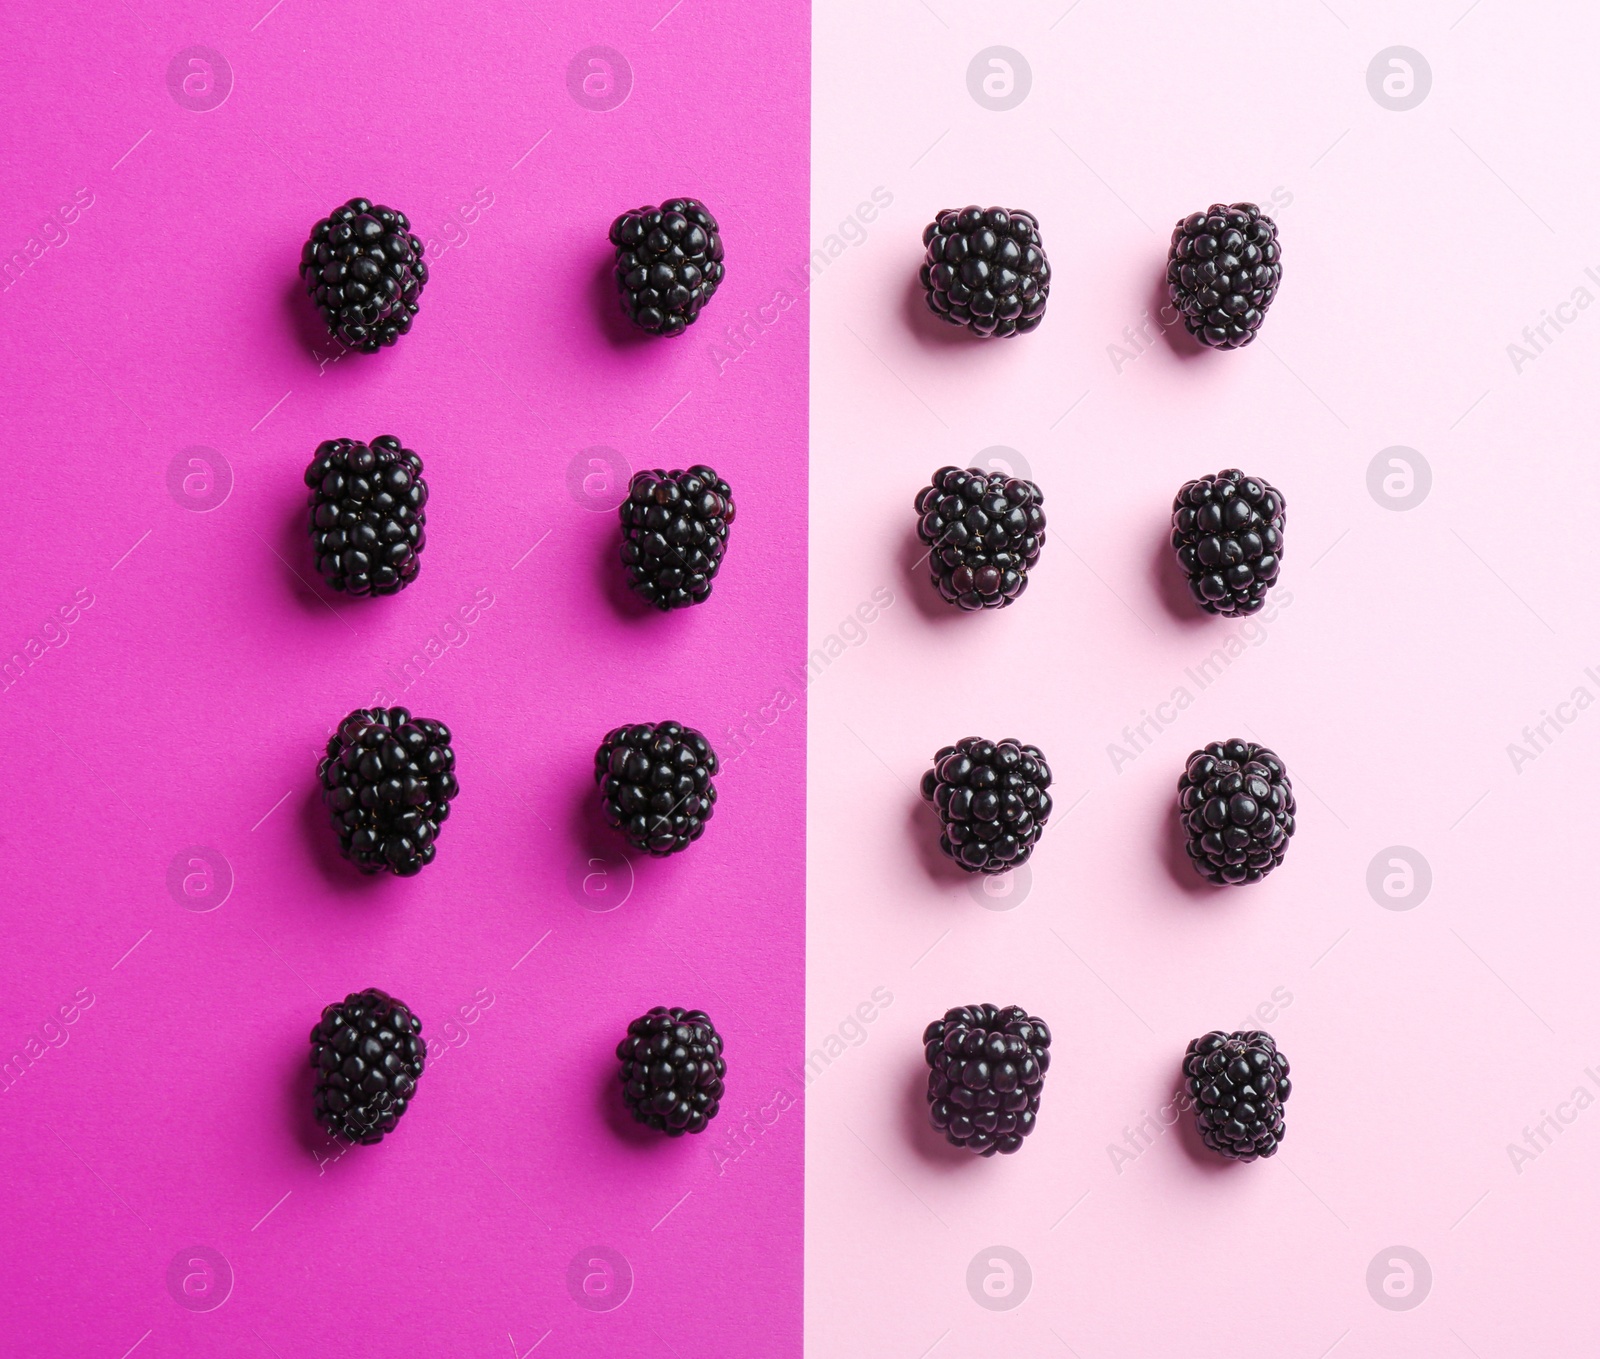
(1431, 1031)
(179, 705)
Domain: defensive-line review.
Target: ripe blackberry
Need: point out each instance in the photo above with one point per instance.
(986, 270)
(985, 529)
(367, 514)
(674, 532)
(1237, 807)
(655, 784)
(987, 1068)
(1239, 1082)
(368, 1054)
(672, 1070)
(991, 798)
(1228, 530)
(388, 779)
(365, 271)
(1223, 272)
(669, 263)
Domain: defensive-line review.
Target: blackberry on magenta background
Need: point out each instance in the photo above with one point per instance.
(655, 784)
(387, 781)
(365, 271)
(984, 531)
(986, 1073)
(992, 801)
(672, 1070)
(1228, 532)
(1223, 271)
(985, 269)
(669, 263)
(367, 517)
(674, 533)
(1237, 809)
(1239, 1083)
(368, 1053)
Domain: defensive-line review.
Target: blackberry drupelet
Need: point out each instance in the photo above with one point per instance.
(655, 784)
(991, 799)
(365, 271)
(669, 263)
(1239, 1082)
(672, 1070)
(985, 529)
(987, 1068)
(1237, 809)
(986, 270)
(1228, 530)
(1223, 271)
(367, 519)
(368, 1054)
(387, 780)
(674, 533)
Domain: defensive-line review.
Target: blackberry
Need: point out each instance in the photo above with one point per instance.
(986, 270)
(388, 779)
(986, 1073)
(1239, 1082)
(365, 271)
(1237, 808)
(674, 532)
(367, 514)
(1228, 530)
(655, 784)
(672, 1070)
(368, 1054)
(985, 529)
(991, 798)
(669, 263)
(1223, 272)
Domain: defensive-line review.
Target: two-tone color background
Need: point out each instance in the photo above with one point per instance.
(174, 915)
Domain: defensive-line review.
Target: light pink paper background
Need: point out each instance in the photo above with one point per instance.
(186, 705)
(1408, 649)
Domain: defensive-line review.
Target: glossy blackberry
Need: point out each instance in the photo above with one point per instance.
(985, 529)
(368, 1054)
(672, 1070)
(1239, 1083)
(367, 514)
(387, 780)
(991, 799)
(986, 270)
(1228, 530)
(655, 784)
(1223, 271)
(674, 532)
(669, 263)
(1237, 809)
(365, 271)
(986, 1073)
